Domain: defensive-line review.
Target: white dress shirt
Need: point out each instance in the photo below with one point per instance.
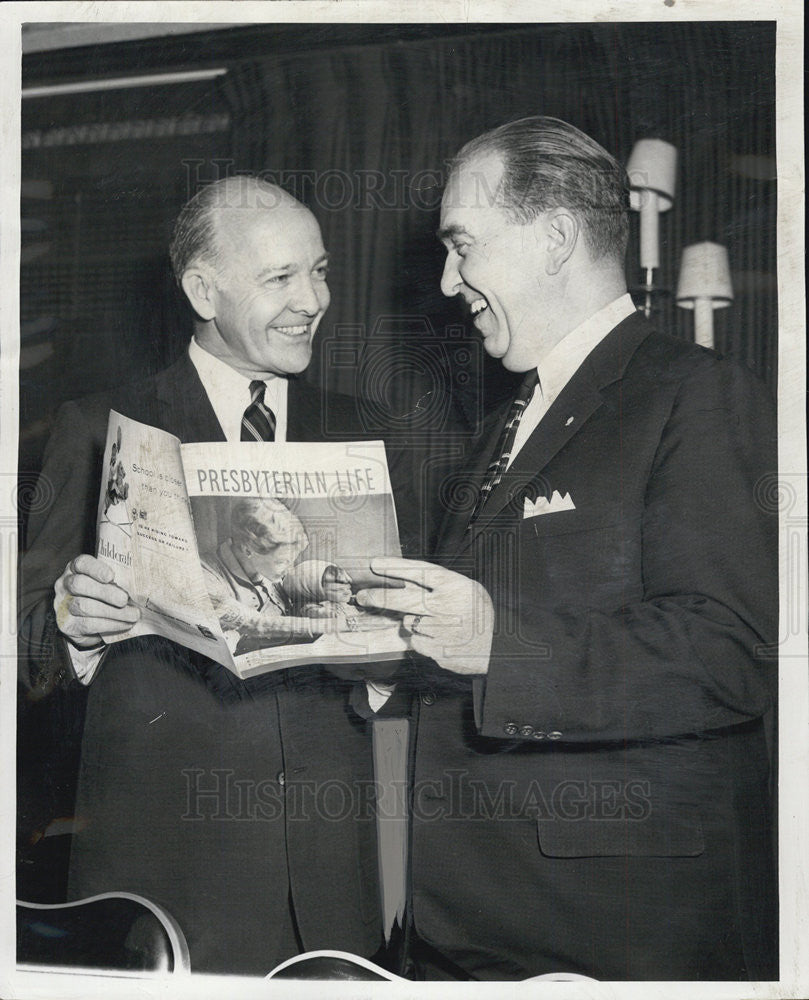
(229, 393)
(562, 362)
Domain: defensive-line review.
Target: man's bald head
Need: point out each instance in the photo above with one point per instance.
(251, 261)
(216, 208)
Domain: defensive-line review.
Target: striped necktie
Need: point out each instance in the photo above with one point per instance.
(258, 422)
(502, 453)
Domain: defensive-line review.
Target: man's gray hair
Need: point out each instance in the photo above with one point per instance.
(551, 164)
(195, 239)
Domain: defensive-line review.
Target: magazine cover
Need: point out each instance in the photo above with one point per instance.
(250, 553)
(286, 533)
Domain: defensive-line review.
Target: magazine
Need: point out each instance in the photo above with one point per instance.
(250, 553)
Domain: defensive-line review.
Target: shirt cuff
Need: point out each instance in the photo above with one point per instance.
(378, 694)
(85, 662)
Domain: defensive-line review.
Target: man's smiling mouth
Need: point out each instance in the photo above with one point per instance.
(477, 306)
(292, 331)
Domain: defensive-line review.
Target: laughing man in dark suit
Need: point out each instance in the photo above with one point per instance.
(590, 785)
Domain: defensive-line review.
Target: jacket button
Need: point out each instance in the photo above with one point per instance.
(538, 734)
(282, 778)
(511, 728)
(428, 698)
(554, 736)
(526, 730)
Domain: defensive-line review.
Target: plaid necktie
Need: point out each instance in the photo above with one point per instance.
(258, 422)
(502, 453)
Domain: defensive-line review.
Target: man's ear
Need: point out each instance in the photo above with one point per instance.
(199, 287)
(562, 235)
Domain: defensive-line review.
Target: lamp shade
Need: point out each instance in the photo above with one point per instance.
(652, 167)
(704, 274)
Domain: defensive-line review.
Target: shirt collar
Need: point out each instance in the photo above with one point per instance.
(229, 392)
(565, 358)
(215, 373)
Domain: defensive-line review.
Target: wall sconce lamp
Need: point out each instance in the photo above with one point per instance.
(652, 170)
(704, 285)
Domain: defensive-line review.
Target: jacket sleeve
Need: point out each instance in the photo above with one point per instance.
(61, 526)
(694, 653)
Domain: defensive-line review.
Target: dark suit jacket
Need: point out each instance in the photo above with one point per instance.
(243, 808)
(598, 803)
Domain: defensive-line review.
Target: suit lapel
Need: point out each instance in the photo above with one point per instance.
(573, 408)
(185, 409)
(569, 413)
(453, 524)
(303, 412)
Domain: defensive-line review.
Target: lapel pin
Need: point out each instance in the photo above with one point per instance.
(569, 421)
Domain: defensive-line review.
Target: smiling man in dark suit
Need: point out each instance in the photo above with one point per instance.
(191, 788)
(590, 769)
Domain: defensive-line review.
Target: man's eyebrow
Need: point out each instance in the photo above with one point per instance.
(448, 232)
(275, 268)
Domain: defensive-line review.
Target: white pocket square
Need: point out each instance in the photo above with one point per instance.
(545, 506)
